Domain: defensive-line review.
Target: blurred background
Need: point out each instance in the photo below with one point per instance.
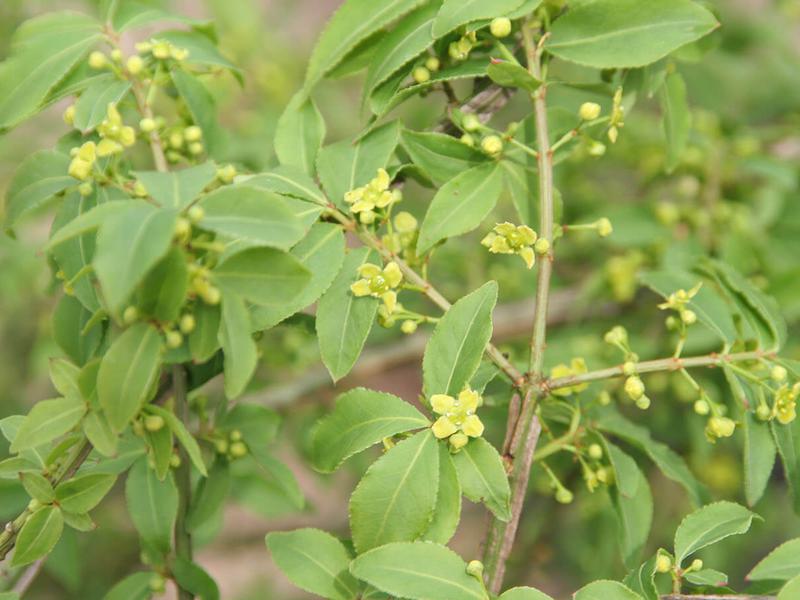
(735, 194)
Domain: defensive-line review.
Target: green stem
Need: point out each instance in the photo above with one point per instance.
(183, 479)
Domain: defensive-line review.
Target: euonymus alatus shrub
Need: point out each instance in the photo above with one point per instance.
(170, 264)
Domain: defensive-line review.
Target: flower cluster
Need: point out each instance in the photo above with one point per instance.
(576, 367)
(785, 408)
(678, 302)
(458, 421)
(507, 238)
(379, 283)
(376, 194)
(459, 50)
(115, 135)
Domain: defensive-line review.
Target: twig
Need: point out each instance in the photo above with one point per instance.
(183, 479)
(27, 577)
(714, 597)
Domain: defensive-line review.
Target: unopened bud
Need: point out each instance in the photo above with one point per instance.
(663, 563)
(778, 374)
(541, 246)
(500, 27)
(475, 568)
(130, 315)
(97, 60)
(589, 111)
(421, 75)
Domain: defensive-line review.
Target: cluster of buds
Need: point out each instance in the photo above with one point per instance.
(458, 421)
(375, 195)
(459, 50)
(491, 144)
(784, 408)
(231, 445)
(617, 120)
(379, 283)
(678, 301)
(162, 50)
(202, 287)
(83, 159)
(621, 272)
(507, 238)
(422, 73)
(403, 238)
(634, 387)
(596, 474)
(115, 135)
(577, 366)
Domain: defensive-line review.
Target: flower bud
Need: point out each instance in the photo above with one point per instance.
(701, 407)
(69, 115)
(500, 27)
(196, 148)
(174, 461)
(629, 368)
(604, 227)
(475, 568)
(235, 435)
(187, 324)
(595, 451)
(541, 246)
(458, 441)
(174, 339)
(471, 122)
(604, 398)
(238, 450)
(721, 427)
(134, 64)
(467, 140)
(130, 315)
(564, 496)
(221, 446)
(432, 64)
(116, 55)
(408, 327)
(147, 125)
(616, 335)
(634, 387)
(97, 60)
(226, 173)
(161, 50)
(663, 563)
(153, 423)
(157, 583)
(196, 214)
(421, 75)
(696, 565)
(689, 316)
(175, 140)
(85, 189)
(193, 133)
(589, 111)
(763, 412)
(778, 374)
(643, 403)
(183, 228)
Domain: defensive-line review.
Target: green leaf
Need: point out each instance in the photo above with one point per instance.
(241, 354)
(606, 590)
(608, 34)
(252, 215)
(354, 21)
(454, 351)
(257, 424)
(210, 496)
(343, 320)
(707, 577)
(47, 420)
(300, 133)
(314, 561)
(38, 535)
(177, 189)
(203, 109)
(201, 50)
(709, 525)
(128, 246)
(184, 437)
(791, 590)
(455, 13)
(192, 577)
(759, 457)
(263, 276)
(322, 253)
(64, 376)
(783, 563)
(161, 445)
(45, 50)
(524, 593)
(204, 340)
(289, 181)
(69, 319)
(395, 498)
(677, 118)
(447, 513)
(38, 178)
(13, 466)
(418, 570)
(410, 38)
(461, 204)
(92, 106)
(99, 433)
(81, 494)
(441, 157)
(133, 587)
(152, 504)
(344, 166)
(90, 220)
(163, 292)
(633, 504)
(483, 477)
(642, 580)
(132, 15)
(508, 74)
(38, 487)
(127, 374)
(360, 418)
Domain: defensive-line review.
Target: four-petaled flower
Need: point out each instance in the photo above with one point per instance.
(786, 403)
(576, 367)
(379, 283)
(376, 194)
(678, 301)
(507, 238)
(458, 421)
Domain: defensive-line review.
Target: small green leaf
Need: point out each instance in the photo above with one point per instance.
(127, 374)
(47, 420)
(289, 181)
(241, 355)
(64, 376)
(440, 156)
(210, 496)
(642, 579)
(455, 13)
(204, 340)
(447, 513)
(184, 437)
(152, 504)
(608, 34)
(257, 424)
(128, 246)
(38, 487)
(633, 504)
(395, 498)
(100, 434)
(707, 577)
(508, 74)
(677, 118)
(177, 189)
(606, 590)
(203, 109)
(38, 178)
(524, 593)
(79, 522)
(461, 204)
(343, 320)
(69, 319)
(360, 418)
(483, 477)
(81, 494)
(759, 457)
(454, 351)
(133, 587)
(782, 564)
(92, 106)
(300, 133)
(264, 276)
(90, 220)
(418, 570)
(314, 561)
(709, 525)
(38, 535)
(163, 291)
(252, 215)
(192, 577)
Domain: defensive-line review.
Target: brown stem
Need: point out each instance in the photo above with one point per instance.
(183, 479)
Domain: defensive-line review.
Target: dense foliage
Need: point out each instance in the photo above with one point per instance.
(180, 267)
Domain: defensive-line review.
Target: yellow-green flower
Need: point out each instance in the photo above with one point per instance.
(83, 159)
(376, 194)
(379, 283)
(458, 420)
(507, 238)
(786, 403)
(576, 367)
(116, 136)
(679, 300)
